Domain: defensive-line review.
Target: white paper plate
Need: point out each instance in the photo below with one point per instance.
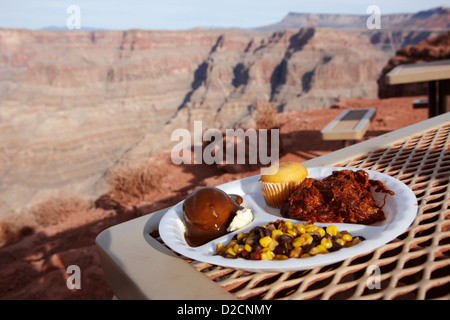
(400, 210)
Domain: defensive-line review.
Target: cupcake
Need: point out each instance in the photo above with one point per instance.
(277, 187)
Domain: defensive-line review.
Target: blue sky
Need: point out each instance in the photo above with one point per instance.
(187, 14)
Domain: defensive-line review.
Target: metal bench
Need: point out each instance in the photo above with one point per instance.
(350, 125)
(422, 103)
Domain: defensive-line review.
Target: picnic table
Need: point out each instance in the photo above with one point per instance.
(349, 125)
(415, 265)
(436, 73)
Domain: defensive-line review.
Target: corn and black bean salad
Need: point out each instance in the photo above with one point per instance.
(282, 239)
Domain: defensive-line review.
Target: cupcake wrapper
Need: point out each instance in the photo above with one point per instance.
(276, 194)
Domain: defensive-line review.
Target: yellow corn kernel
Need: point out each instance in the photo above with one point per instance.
(267, 255)
(312, 228)
(347, 237)
(301, 228)
(327, 243)
(298, 242)
(321, 249)
(321, 232)
(288, 224)
(281, 257)
(295, 253)
(341, 242)
(220, 249)
(241, 235)
(248, 248)
(276, 234)
(307, 237)
(237, 248)
(272, 245)
(231, 251)
(232, 243)
(305, 255)
(265, 241)
(318, 250)
(331, 230)
(292, 233)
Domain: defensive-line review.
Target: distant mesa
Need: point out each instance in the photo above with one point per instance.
(436, 18)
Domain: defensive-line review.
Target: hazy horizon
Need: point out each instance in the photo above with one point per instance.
(184, 15)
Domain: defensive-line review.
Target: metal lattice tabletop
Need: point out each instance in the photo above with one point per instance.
(415, 265)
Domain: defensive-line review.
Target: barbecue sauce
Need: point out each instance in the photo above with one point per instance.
(208, 211)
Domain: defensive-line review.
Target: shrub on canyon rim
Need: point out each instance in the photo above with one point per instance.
(265, 114)
(131, 183)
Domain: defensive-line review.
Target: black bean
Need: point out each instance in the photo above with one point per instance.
(316, 239)
(308, 247)
(256, 247)
(335, 247)
(285, 242)
(281, 250)
(259, 231)
(284, 238)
